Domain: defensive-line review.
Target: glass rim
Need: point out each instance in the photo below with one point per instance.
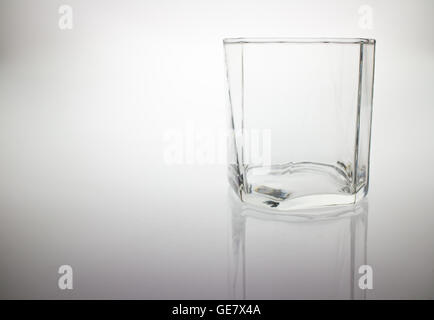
(299, 40)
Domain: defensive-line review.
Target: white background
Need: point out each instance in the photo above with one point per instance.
(84, 113)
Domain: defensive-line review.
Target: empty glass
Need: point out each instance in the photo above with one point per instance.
(300, 114)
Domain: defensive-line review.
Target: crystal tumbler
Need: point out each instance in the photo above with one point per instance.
(300, 119)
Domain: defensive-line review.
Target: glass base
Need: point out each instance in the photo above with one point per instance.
(299, 185)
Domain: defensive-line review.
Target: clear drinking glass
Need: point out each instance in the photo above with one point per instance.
(300, 118)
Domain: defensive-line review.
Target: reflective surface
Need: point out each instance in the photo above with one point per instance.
(295, 257)
(216, 249)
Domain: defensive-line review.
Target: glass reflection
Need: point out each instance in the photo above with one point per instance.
(314, 255)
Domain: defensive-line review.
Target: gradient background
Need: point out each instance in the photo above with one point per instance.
(83, 119)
